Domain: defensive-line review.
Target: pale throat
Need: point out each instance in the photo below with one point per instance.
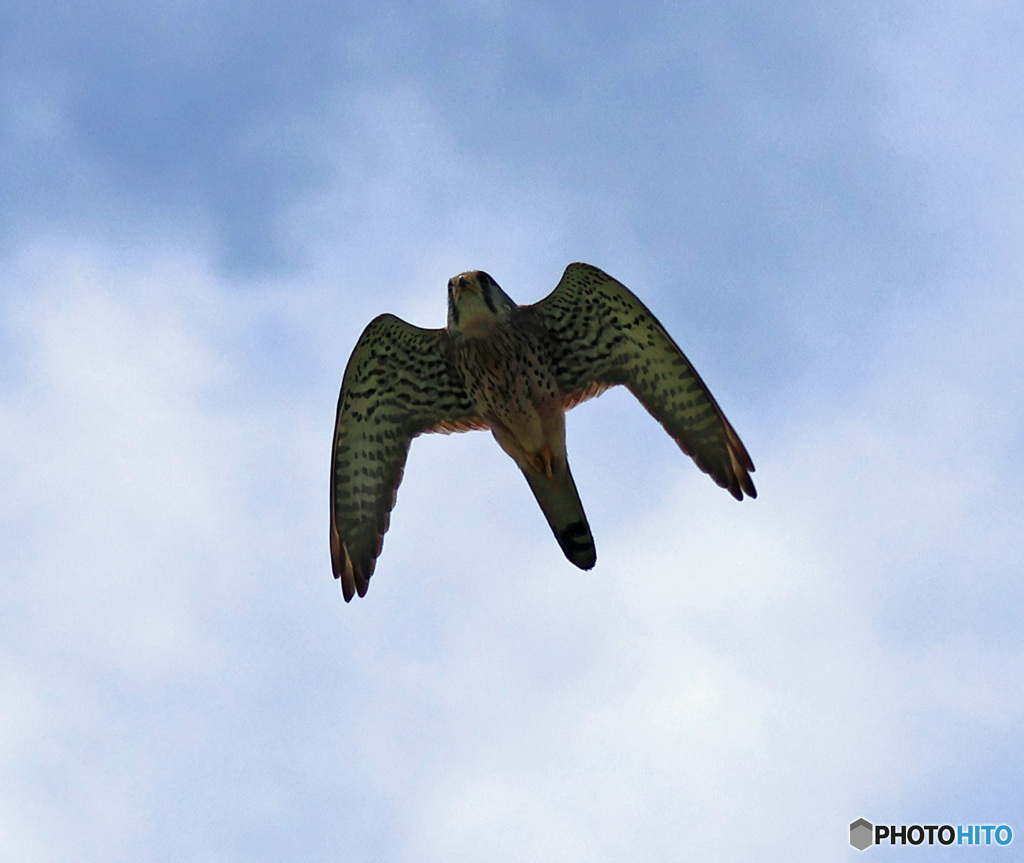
(476, 322)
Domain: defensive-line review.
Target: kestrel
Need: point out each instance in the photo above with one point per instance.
(514, 370)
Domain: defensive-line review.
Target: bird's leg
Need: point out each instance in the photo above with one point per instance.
(543, 460)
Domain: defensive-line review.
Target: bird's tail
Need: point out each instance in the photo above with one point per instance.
(561, 505)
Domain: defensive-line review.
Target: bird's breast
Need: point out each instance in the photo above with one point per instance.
(511, 379)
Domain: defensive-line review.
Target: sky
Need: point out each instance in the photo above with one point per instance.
(201, 207)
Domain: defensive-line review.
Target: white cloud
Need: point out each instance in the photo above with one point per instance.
(118, 518)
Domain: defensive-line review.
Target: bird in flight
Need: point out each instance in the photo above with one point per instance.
(514, 370)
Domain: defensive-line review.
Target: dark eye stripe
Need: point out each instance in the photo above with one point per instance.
(485, 286)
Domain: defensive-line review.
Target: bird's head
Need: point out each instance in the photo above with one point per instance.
(476, 303)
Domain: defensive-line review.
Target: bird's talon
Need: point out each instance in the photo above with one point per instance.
(544, 460)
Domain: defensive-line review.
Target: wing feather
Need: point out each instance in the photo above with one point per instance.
(398, 383)
(600, 335)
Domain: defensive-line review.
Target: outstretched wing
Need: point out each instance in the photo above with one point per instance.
(398, 383)
(600, 335)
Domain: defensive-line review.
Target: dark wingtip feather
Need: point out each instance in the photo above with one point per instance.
(350, 576)
(741, 465)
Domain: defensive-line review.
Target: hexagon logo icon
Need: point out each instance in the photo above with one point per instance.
(861, 834)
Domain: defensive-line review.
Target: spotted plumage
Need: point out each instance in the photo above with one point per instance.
(514, 370)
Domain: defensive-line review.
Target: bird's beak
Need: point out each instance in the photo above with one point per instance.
(461, 286)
